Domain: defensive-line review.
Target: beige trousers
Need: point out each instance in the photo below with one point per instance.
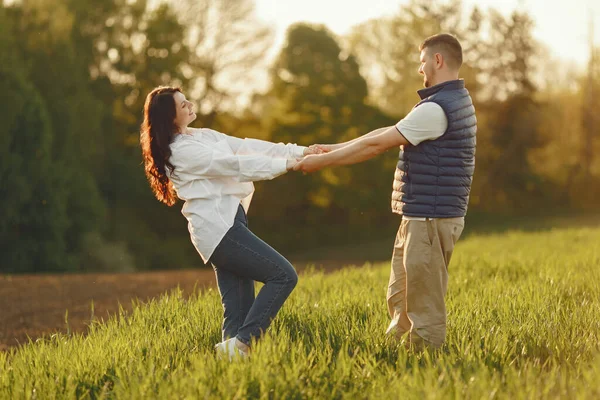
(419, 279)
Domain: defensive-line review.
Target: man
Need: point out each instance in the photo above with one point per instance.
(431, 189)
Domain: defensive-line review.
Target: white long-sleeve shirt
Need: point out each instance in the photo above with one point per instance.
(214, 174)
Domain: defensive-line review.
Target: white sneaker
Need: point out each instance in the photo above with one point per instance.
(230, 349)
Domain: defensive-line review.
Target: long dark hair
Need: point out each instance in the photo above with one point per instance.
(156, 135)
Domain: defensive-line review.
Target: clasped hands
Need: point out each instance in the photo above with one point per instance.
(311, 161)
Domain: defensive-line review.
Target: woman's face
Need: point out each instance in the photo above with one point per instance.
(184, 111)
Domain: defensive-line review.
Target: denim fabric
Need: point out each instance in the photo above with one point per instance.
(240, 259)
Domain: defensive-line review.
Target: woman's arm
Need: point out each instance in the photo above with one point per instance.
(256, 146)
(203, 162)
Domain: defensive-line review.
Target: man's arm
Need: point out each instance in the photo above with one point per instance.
(356, 151)
(326, 148)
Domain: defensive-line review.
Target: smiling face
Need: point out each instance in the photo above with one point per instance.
(184, 111)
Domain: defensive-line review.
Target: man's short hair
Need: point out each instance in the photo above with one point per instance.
(447, 45)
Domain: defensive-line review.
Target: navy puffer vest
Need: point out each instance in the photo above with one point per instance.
(433, 179)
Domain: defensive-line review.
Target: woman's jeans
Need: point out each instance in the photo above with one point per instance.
(240, 259)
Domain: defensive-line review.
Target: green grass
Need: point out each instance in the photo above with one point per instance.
(524, 322)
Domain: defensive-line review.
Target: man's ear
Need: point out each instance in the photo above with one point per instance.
(439, 60)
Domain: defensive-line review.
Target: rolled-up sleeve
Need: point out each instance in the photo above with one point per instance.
(203, 162)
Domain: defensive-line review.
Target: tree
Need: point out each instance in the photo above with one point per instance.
(511, 127)
(318, 96)
(33, 217)
(589, 176)
(388, 49)
(227, 45)
(41, 32)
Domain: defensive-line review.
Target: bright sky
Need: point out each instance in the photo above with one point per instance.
(562, 25)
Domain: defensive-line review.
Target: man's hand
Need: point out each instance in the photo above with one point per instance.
(310, 163)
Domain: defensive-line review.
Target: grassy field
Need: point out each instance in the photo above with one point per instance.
(524, 322)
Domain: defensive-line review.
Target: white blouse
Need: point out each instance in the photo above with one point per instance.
(214, 173)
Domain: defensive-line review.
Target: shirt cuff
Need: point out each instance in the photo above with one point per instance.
(299, 151)
(278, 166)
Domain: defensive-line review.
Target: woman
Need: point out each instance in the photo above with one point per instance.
(213, 173)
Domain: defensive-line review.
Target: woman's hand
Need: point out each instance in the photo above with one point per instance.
(312, 149)
(320, 149)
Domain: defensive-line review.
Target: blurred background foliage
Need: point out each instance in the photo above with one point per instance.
(74, 75)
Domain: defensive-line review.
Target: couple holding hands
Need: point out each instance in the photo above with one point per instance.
(213, 173)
